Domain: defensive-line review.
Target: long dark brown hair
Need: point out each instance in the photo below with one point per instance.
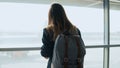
(57, 20)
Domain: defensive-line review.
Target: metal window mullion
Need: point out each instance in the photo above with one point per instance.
(106, 34)
(38, 48)
(20, 49)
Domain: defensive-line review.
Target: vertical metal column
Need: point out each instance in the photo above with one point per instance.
(106, 33)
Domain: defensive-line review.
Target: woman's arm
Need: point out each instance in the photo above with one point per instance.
(47, 48)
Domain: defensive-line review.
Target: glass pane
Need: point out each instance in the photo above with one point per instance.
(21, 24)
(94, 58)
(115, 22)
(31, 59)
(22, 59)
(89, 19)
(115, 57)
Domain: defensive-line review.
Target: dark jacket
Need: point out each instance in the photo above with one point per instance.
(48, 45)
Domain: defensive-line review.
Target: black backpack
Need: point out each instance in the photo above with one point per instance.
(69, 51)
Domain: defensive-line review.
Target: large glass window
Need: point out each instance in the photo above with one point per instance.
(22, 59)
(21, 24)
(114, 57)
(94, 58)
(115, 22)
(89, 21)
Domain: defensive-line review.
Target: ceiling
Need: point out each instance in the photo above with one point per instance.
(114, 4)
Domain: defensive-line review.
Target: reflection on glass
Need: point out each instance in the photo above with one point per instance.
(22, 59)
(114, 22)
(94, 58)
(115, 57)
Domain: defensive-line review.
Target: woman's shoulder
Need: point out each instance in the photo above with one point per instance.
(78, 30)
(48, 32)
(49, 28)
(75, 30)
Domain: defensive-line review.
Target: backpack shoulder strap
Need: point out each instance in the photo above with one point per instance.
(79, 64)
(66, 53)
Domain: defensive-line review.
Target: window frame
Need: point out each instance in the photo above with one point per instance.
(106, 46)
